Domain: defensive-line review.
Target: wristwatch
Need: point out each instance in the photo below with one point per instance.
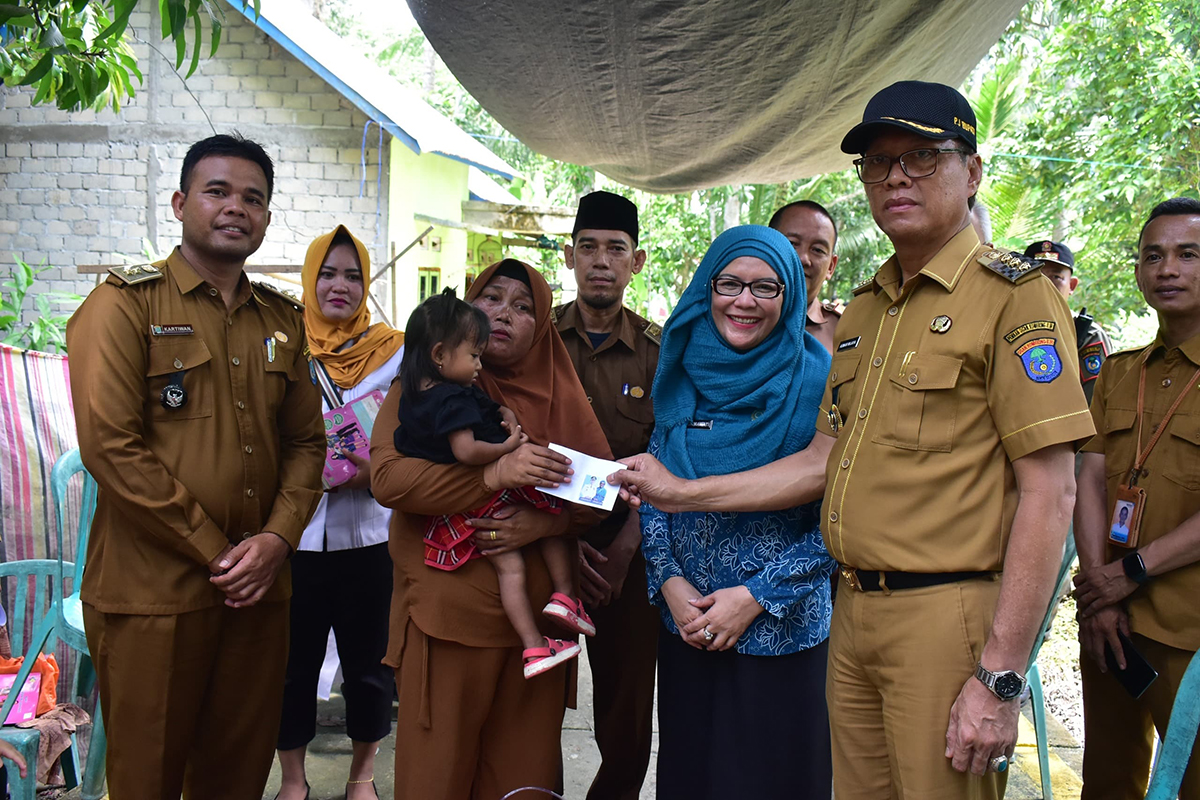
(1006, 685)
(1135, 568)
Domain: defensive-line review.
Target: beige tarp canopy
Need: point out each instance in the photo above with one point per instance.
(673, 95)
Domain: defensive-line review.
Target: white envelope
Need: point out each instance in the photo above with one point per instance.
(589, 485)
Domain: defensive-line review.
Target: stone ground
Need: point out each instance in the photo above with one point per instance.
(329, 754)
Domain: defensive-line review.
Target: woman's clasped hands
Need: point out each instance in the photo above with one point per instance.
(710, 622)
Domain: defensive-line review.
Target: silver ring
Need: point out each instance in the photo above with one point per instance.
(999, 764)
(708, 635)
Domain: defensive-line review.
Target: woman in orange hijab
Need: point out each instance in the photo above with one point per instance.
(341, 573)
(469, 724)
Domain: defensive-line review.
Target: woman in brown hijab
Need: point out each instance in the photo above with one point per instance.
(469, 725)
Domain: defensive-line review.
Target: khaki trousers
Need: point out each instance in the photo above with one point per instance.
(1119, 731)
(469, 726)
(191, 701)
(897, 662)
(622, 655)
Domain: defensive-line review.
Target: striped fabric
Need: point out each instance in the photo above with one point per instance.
(36, 427)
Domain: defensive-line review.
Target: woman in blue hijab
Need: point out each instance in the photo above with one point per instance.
(744, 596)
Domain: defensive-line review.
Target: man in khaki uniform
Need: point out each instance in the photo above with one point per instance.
(1148, 592)
(615, 352)
(949, 489)
(813, 233)
(1092, 341)
(198, 419)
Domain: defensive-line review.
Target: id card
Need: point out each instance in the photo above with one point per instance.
(1127, 516)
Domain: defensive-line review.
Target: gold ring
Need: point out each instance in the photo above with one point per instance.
(493, 536)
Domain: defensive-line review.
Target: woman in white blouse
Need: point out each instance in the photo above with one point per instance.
(341, 573)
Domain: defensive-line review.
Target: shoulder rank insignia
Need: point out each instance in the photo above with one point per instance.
(291, 298)
(556, 314)
(1009, 265)
(134, 274)
(832, 308)
(862, 287)
(653, 332)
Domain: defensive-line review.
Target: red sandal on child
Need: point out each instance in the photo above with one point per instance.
(540, 659)
(570, 614)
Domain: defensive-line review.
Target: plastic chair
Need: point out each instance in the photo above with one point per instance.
(70, 620)
(44, 574)
(1037, 702)
(1176, 748)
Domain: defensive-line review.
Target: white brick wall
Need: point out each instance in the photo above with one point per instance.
(87, 187)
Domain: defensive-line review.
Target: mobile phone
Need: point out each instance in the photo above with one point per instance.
(1137, 675)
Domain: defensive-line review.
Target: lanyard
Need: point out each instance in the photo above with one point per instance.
(1162, 426)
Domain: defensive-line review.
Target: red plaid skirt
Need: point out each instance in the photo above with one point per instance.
(448, 542)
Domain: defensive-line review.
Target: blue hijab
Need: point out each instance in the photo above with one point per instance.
(762, 403)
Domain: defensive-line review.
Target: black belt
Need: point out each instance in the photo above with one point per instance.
(874, 581)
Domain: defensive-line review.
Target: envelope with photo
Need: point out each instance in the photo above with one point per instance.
(589, 485)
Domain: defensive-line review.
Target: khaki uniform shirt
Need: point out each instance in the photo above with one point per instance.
(822, 321)
(1094, 347)
(941, 384)
(242, 455)
(617, 377)
(1165, 608)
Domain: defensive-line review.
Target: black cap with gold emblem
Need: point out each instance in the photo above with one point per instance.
(932, 110)
(1055, 252)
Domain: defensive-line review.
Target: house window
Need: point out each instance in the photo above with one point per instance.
(429, 282)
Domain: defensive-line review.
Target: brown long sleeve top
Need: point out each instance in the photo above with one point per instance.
(180, 477)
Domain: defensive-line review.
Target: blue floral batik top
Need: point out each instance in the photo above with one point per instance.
(778, 555)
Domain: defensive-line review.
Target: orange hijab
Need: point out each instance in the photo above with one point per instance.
(543, 389)
(376, 343)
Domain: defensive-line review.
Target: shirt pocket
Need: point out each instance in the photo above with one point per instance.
(1119, 443)
(635, 418)
(279, 372)
(193, 359)
(1181, 462)
(843, 388)
(920, 407)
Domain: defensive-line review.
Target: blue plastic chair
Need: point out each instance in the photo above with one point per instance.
(1037, 700)
(44, 574)
(1176, 748)
(62, 620)
(70, 621)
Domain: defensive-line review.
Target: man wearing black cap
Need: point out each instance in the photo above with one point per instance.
(1093, 342)
(615, 352)
(950, 485)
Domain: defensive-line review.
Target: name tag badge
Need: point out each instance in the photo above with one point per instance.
(171, 330)
(700, 424)
(1127, 516)
(849, 344)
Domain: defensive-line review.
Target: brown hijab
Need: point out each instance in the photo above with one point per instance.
(543, 389)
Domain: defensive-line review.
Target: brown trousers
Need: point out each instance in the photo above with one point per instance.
(622, 656)
(897, 662)
(469, 726)
(191, 701)
(1119, 731)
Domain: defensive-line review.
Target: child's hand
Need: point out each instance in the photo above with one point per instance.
(10, 752)
(508, 419)
(515, 439)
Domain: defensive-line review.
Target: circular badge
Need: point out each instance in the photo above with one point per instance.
(940, 324)
(173, 397)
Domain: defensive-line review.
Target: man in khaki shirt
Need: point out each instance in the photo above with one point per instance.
(949, 483)
(813, 233)
(1149, 592)
(615, 352)
(199, 421)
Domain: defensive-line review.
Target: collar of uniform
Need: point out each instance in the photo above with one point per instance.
(188, 280)
(816, 312)
(1190, 348)
(945, 268)
(571, 319)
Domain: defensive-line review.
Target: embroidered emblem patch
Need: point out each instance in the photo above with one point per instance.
(1036, 325)
(941, 324)
(1041, 360)
(1092, 364)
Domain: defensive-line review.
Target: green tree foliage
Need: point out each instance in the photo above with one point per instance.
(1093, 117)
(47, 330)
(77, 53)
